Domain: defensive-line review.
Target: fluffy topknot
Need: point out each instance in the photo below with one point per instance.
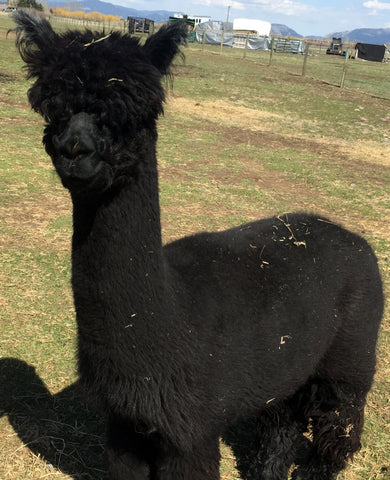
(110, 75)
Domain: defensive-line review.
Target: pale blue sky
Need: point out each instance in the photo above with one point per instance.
(307, 17)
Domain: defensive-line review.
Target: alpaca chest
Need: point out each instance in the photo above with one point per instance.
(154, 396)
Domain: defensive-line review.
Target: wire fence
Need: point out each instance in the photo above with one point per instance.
(74, 22)
(347, 71)
(298, 57)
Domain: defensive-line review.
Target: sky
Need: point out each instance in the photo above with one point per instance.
(306, 17)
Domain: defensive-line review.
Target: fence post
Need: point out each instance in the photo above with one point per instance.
(305, 59)
(246, 45)
(222, 40)
(344, 69)
(272, 50)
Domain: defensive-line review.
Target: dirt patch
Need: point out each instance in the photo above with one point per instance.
(5, 77)
(237, 125)
(226, 114)
(29, 219)
(368, 152)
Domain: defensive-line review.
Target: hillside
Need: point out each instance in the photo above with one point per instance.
(378, 36)
(279, 29)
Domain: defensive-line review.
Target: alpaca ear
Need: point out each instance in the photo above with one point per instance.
(165, 44)
(34, 39)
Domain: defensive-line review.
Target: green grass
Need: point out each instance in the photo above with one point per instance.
(281, 143)
(282, 86)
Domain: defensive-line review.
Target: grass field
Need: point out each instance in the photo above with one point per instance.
(239, 141)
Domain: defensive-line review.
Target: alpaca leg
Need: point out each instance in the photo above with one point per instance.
(200, 464)
(337, 421)
(265, 447)
(127, 453)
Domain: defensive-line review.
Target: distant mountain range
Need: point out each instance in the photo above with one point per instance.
(377, 36)
(284, 30)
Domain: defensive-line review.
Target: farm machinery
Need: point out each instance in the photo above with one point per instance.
(336, 47)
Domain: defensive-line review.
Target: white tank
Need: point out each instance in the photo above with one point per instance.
(258, 26)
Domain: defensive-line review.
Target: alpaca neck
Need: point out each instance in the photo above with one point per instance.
(118, 265)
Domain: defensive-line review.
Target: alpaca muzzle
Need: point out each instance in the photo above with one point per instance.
(78, 155)
(78, 139)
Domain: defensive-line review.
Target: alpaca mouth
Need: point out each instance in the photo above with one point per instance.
(84, 167)
(84, 172)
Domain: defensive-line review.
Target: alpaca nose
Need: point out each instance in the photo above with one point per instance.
(73, 146)
(78, 138)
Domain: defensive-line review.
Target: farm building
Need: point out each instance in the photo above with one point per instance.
(368, 51)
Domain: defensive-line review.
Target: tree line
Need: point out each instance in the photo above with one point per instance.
(65, 12)
(95, 16)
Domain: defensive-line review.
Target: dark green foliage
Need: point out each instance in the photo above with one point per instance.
(30, 4)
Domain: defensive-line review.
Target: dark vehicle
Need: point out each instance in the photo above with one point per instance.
(190, 26)
(336, 47)
(140, 25)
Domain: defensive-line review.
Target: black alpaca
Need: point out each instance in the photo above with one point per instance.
(256, 334)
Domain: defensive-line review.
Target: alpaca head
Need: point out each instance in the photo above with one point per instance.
(99, 94)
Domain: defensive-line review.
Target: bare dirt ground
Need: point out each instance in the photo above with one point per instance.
(258, 131)
(240, 125)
